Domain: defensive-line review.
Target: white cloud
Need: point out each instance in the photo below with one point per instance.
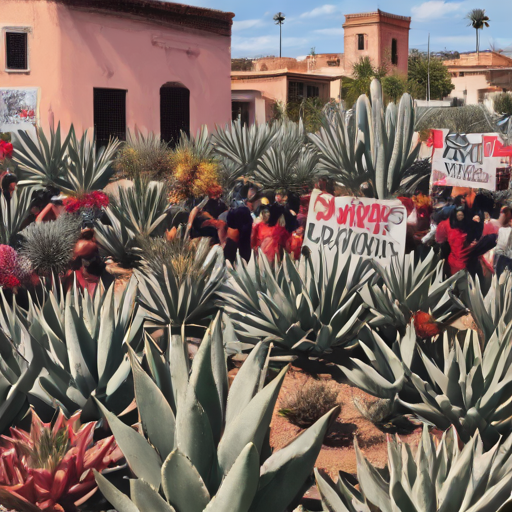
(245, 24)
(469, 39)
(434, 10)
(329, 31)
(320, 11)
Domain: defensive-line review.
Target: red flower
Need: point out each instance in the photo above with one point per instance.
(425, 325)
(5, 149)
(24, 113)
(52, 482)
(8, 267)
(31, 113)
(94, 200)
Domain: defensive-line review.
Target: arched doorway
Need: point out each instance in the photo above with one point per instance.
(174, 111)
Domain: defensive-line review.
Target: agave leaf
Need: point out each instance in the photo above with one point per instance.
(182, 484)
(142, 459)
(114, 496)
(203, 382)
(194, 437)
(239, 487)
(147, 499)
(251, 425)
(158, 428)
(246, 383)
(284, 472)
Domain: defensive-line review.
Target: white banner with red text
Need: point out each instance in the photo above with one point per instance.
(362, 228)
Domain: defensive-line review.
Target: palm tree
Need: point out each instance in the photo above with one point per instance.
(279, 20)
(478, 20)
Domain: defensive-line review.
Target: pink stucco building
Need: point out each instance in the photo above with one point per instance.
(114, 64)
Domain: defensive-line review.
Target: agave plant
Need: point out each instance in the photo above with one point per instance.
(84, 340)
(200, 145)
(87, 169)
(470, 389)
(243, 146)
(440, 478)
(183, 289)
(288, 163)
(141, 207)
(19, 369)
(372, 145)
(14, 214)
(41, 162)
(411, 286)
(51, 467)
(301, 310)
(204, 447)
(116, 240)
(492, 311)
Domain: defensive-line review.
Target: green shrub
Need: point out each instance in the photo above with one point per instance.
(503, 103)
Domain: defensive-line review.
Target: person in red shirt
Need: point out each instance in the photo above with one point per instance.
(270, 239)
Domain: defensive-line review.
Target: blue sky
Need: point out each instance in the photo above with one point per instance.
(319, 24)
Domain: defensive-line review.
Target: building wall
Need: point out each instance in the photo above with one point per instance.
(72, 51)
(379, 31)
(471, 84)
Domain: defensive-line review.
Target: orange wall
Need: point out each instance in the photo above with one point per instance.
(72, 51)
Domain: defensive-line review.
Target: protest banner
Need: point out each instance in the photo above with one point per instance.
(362, 228)
(467, 160)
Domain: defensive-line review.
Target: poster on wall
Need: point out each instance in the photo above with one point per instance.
(467, 160)
(18, 109)
(362, 228)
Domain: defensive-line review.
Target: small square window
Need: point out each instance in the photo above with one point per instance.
(360, 41)
(16, 51)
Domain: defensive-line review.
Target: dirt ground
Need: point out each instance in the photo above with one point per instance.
(338, 452)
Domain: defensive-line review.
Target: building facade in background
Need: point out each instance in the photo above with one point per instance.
(474, 76)
(382, 37)
(114, 65)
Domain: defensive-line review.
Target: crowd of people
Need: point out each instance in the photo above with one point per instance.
(470, 229)
(254, 221)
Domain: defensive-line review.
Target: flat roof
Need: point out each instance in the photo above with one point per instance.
(377, 12)
(161, 12)
(241, 75)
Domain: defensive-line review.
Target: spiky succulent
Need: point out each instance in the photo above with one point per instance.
(384, 137)
(79, 340)
(49, 245)
(205, 448)
(441, 477)
(302, 310)
(176, 292)
(13, 214)
(51, 467)
(401, 289)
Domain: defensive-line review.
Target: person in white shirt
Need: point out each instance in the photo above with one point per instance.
(503, 250)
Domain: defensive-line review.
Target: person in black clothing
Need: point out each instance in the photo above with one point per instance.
(9, 183)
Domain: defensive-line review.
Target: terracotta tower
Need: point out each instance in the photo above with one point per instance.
(381, 36)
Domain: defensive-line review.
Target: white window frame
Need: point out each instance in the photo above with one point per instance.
(19, 30)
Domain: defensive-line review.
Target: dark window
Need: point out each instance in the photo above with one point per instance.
(16, 50)
(394, 52)
(360, 41)
(240, 109)
(174, 112)
(295, 91)
(109, 115)
(461, 73)
(313, 91)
